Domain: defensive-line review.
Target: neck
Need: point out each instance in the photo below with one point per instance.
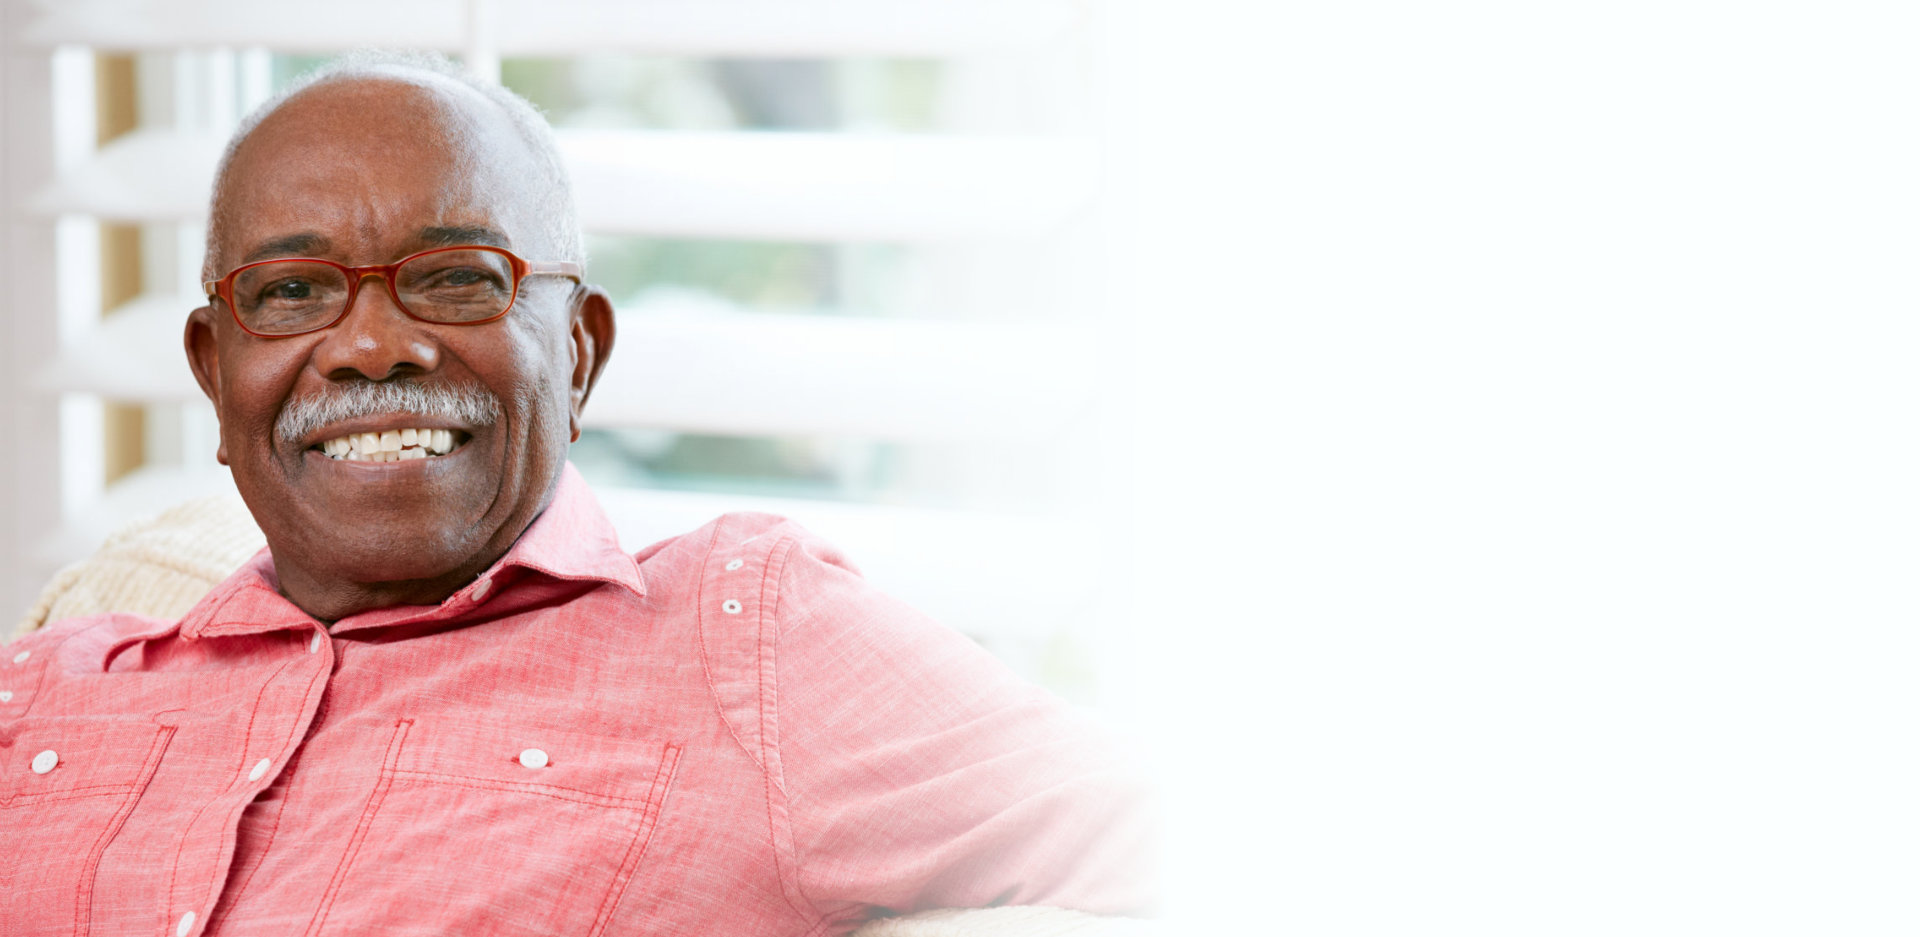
(329, 599)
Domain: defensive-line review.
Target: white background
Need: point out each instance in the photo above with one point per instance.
(1539, 554)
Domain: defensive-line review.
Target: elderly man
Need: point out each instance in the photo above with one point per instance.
(444, 701)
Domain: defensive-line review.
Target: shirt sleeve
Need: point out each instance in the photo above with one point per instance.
(920, 772)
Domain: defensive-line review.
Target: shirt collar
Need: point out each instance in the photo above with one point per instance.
(571, 540)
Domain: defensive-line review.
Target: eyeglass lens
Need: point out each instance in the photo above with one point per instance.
(444, 286)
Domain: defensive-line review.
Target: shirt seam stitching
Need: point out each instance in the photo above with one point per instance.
(706, 662)
(395, 746)
(643, 838)
(770, 595)
(91, 873)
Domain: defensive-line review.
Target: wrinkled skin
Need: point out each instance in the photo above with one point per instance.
(363, 169)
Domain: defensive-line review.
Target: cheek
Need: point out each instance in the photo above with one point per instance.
(537, 360)
(256, 382)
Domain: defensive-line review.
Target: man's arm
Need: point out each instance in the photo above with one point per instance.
(920, 772)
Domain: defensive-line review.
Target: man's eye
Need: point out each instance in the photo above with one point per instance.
(287, 291)
(464, 276)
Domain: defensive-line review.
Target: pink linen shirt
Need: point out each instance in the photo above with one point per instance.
(729, 733)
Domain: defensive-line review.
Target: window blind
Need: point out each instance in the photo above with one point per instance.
(1019, 380)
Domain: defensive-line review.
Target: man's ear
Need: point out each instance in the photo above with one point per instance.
(592, 342)
(203, 355)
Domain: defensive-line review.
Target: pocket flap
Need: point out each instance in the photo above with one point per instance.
(606, 770)
(56, 759)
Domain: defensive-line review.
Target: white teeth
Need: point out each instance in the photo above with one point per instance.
(390, 445)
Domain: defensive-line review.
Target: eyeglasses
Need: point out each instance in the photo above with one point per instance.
(446, 285)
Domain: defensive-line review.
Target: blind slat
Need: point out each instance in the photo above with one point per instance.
(712, 185)
(570, 27)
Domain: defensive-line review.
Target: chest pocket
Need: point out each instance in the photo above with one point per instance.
(66, 788)
(498, 830)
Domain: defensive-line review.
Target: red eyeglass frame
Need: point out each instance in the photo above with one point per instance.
(222, 289)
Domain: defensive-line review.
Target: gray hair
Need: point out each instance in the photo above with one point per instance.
(559, 222)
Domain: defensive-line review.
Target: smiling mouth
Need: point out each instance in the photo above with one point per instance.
(394, 445)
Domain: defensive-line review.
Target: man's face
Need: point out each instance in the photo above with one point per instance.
(369, 172)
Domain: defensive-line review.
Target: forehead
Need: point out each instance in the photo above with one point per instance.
(366, 165)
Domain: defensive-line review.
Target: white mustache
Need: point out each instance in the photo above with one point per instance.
(462, 404)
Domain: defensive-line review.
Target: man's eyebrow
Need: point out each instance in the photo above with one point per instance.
(306, 244)
(453, 235)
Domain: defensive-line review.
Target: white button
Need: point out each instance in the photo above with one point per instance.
(314, 645)
(735, 564)
(44, 762)
(481, 588)
(186, 924)
(6, 696)
(533, 758)
(731, 606)
(260, 770)
(21, 657)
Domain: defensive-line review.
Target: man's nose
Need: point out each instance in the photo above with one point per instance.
(376, 339)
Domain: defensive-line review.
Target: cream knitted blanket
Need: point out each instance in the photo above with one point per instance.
(158, 566)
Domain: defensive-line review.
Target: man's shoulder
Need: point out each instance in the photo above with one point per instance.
(733, 583)
(742, 579)
(743, 542)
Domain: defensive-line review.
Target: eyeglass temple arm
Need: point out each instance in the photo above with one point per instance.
(565, 268)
